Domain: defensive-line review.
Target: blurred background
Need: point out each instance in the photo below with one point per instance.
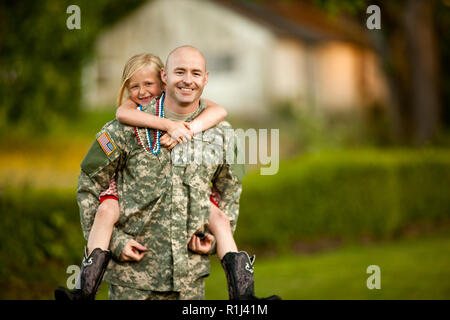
(363, 116)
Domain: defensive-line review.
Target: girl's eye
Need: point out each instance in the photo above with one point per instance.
(149, 83)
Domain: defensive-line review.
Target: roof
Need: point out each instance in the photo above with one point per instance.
(299, 19)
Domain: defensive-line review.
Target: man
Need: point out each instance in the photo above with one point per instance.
(164, 203)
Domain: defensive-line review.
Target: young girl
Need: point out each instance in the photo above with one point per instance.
(141, 78)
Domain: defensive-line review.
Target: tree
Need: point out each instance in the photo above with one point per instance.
(41, 58)
(410, 54)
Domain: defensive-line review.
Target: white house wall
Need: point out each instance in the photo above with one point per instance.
(289, 71)
(161, 25)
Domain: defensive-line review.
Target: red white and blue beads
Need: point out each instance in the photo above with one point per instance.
(156, 146)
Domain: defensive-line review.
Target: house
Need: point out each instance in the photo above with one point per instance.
(258, 53)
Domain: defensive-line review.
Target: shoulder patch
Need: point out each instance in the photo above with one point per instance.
(106, 143)
(103, 150)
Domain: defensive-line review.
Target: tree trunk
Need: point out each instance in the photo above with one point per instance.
(423, 68)
(383, 43)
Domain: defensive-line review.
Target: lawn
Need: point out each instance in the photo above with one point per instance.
(416, 268)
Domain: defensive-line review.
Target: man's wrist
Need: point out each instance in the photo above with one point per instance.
(118, 241)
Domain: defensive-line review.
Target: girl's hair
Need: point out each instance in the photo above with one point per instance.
(134, 64)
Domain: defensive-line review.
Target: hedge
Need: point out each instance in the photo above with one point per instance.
(334, 195)
(39, 234)
(345, 195)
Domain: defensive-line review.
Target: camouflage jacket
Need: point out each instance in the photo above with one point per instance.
(163, 201)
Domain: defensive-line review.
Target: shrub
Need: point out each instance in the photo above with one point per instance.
(344, 195)
(39, 227)
(325, 195)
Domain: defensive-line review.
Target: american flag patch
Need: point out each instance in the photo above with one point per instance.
(106, 143)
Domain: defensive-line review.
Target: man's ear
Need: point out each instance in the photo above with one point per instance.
(206, 77)
(164, 76)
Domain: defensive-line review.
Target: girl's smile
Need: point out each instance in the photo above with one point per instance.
(144, 85)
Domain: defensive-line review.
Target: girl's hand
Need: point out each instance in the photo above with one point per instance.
(167, 142)
(195, 126)
(179, 131)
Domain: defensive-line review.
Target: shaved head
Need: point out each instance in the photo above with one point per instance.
(186, 49)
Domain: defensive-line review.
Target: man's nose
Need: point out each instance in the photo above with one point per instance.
(187, 78)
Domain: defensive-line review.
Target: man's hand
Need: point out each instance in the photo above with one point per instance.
(201, 246)
(133, 251)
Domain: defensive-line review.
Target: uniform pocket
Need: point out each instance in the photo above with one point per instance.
(142, 185)
(198, 202)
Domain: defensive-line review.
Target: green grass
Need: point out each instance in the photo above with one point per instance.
(410, 269)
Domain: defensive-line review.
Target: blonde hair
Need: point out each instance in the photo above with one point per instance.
(134, 64)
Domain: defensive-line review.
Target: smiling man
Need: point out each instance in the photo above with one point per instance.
(185, 77)
(163, 204)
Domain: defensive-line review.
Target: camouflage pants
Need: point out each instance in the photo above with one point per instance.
(196, 291)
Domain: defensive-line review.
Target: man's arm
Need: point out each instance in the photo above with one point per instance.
(228, 182)
(101, 162)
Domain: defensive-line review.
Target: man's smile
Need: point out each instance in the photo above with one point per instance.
(186, 89)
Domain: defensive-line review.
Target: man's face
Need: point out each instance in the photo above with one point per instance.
(185, 76)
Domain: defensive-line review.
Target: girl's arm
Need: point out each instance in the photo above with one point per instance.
(209, 117)
(128, 114)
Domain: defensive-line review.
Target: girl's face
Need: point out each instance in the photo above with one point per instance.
(144, 85)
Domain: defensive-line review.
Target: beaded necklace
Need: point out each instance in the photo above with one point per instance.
(156, 146)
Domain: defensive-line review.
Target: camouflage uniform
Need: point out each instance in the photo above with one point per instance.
(162, 204)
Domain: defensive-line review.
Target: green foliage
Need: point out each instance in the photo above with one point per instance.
(304, 129)
(344, 195)
(336, 6)
(41, 60)
(39, 229)
(334, 195)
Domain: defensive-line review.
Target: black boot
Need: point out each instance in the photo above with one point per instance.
(239, 271)
(91, 275)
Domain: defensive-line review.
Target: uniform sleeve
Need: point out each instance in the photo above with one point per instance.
(97, 169)
(228, 182)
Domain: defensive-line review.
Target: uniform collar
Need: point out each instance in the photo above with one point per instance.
(151, 108)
